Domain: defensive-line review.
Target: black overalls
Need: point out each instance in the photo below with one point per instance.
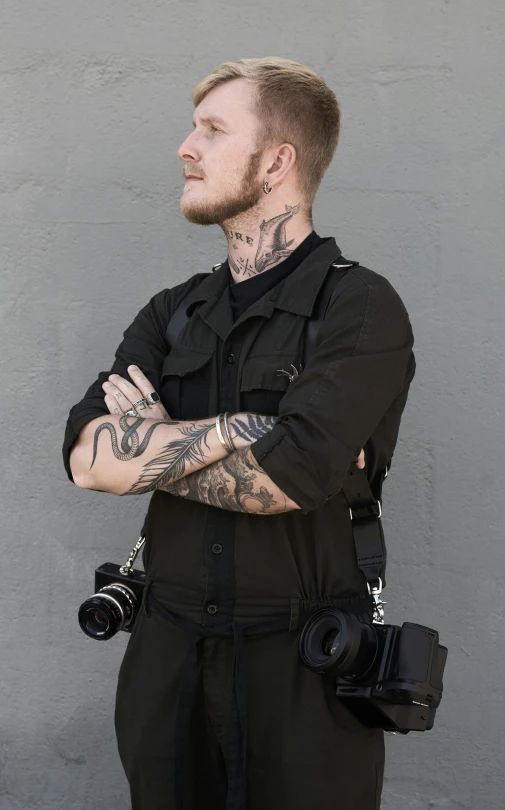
(202, 696)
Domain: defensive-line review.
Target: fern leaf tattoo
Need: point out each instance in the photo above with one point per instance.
(256, 426)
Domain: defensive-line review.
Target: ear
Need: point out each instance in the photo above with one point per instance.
(283, 160)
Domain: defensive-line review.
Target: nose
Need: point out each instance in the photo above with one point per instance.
(187, 150)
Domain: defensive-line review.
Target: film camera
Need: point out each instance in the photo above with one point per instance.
(390, 677)
(117, 598)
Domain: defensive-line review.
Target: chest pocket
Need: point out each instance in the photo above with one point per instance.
(261, 386)
(185, 383)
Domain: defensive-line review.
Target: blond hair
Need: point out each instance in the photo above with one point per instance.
(293, 105)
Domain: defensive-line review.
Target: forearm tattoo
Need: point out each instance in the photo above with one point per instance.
(236, 483)
(272, 248)
(172, 461)
(170, 464)
(252, 426)
(131, 447)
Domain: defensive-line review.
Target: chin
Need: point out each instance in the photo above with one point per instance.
(198, 214)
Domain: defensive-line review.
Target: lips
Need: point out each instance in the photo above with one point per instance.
(194, 178)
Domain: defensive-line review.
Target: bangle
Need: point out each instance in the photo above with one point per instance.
(218, 428)
(227, 431)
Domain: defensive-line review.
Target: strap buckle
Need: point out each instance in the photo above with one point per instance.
(375, 590)
(368, 510)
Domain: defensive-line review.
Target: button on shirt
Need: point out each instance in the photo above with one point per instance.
(213, 565)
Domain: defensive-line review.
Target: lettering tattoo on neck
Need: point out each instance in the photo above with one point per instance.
(272, 248)
(239, 237)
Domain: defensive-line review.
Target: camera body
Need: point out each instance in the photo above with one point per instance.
(389, 677)
(115, 603)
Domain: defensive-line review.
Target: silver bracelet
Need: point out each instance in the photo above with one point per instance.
(227, 431)
(220, 435)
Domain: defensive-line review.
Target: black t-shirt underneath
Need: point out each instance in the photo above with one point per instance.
(245, 293)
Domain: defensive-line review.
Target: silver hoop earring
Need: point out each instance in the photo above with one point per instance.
(265, 187)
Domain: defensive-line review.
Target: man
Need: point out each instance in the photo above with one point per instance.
(248, 530)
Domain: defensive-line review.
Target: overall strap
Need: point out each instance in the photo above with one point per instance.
(179, 318)
(176, 323)
(335, 274)
(364, 509)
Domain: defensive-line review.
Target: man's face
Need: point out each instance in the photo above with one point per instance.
(223, 153)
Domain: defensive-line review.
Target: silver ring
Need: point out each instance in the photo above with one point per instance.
(141, 403)
(131, 412)
(152, 398)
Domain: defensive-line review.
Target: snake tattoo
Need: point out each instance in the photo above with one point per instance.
(130, 446)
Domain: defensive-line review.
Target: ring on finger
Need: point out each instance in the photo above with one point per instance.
(131, 412)
(152, 398)
(141, 403)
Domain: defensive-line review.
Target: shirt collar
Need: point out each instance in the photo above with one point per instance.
(299, 289)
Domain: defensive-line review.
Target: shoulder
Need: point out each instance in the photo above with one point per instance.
(371, 288)
(372, 309)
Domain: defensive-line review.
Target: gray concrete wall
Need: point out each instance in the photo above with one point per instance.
(95, 99)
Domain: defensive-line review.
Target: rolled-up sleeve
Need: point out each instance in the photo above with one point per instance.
(143, 345)
(360, 369)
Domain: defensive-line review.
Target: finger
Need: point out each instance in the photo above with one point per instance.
(361, 460)
(120, 399)
(111, 403)
(131, 392)
(146, 387)
(140, 380)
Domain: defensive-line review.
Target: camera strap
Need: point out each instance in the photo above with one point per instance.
(365, 508)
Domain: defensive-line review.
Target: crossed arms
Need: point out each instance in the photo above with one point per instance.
(185, 459)
(357, 381)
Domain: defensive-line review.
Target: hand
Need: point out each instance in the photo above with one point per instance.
(121, 394)
(360, 463)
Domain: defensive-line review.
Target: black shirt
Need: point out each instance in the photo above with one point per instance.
(211, 564)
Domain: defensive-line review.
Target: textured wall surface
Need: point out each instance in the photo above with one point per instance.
(95, 100)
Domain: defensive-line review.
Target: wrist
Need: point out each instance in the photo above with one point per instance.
(223, 432)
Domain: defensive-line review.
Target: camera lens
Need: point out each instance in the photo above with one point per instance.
(330, 641)
(98, 617)
(336, 643)
(108, 611)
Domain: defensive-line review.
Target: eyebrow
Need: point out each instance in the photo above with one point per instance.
(213, 119)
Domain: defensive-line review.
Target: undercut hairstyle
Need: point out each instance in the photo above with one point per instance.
(293, 105)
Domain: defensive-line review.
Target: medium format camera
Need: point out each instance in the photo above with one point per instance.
(389, 677)
(115, 603)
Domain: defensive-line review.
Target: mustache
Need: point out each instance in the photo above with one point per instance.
(189, 173)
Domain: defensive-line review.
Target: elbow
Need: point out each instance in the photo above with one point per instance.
(81, 479)
(80, 476)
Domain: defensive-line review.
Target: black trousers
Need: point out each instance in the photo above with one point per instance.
(305, 749)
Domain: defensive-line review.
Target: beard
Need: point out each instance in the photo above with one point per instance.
(237, 201)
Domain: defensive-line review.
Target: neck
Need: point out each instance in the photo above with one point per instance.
(256, 247)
